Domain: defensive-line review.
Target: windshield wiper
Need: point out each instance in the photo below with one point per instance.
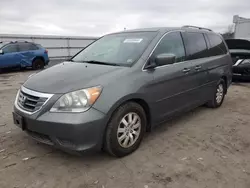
(101, 63)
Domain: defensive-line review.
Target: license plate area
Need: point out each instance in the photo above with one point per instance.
(18, 120)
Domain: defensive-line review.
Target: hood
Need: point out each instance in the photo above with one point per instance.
(70, 76)
(239, 49)
(238, 44)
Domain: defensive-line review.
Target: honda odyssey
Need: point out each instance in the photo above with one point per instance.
(122, 85)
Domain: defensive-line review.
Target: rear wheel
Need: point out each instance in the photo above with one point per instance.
(22, 68)
(38, 64)
(218, 96)
(125, 130)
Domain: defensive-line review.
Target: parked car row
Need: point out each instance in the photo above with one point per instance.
(240, 52)
(22, 55)
(122, 85)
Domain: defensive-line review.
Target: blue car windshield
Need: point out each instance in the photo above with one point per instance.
(122, 49)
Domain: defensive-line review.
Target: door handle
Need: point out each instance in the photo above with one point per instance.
(197, 68)
(186, 70)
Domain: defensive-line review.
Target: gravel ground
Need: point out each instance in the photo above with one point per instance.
(201, 149)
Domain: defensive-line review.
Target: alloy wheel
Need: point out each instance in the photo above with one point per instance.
(129, 130)
(219, 93)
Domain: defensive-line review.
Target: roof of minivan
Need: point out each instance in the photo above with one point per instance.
(166, 29)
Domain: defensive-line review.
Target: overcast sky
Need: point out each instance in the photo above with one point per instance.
(97, 17)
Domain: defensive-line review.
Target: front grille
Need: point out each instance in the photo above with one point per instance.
(29, 102)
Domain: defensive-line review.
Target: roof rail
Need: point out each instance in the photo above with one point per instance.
(19, 41)
(191, 26)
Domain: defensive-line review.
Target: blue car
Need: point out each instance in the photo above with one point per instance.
(23, 54)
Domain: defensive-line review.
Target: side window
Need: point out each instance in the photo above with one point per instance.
(10, 48)
(196, 45)
(171, 44)
(26, 47)
(217, 46)
(33, 47)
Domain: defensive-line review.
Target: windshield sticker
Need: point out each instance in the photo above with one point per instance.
(130, 61)
(132, 40)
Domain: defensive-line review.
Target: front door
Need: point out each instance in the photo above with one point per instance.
(174, 84)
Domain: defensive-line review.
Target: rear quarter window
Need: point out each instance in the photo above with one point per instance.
(33, 47)
(195, 44)
(38, 45)
(27, 46)
(217, 46)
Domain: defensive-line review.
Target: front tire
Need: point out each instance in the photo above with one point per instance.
(218, 96)
(125, 130)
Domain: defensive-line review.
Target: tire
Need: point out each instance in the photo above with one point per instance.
(38, 64)
(22, 68)
(218, 96)
(122, 148)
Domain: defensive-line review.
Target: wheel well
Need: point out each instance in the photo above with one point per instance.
(146, 109)
(39, 57)
(225, 80)
(143, 104)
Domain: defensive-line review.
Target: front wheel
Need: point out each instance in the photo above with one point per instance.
(125, 130)
(218, 96)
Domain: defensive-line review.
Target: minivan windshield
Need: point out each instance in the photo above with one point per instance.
(122, 49)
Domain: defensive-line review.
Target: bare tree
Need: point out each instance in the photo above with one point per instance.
(230, 28)
(229, 34)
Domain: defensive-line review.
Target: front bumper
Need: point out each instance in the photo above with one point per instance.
(241, 77)
(66, 131)
(241, 73)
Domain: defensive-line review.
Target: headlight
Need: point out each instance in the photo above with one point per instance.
(77, 101)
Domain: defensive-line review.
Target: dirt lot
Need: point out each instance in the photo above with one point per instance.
(201, 149)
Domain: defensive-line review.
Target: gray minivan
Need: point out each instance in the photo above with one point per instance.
(123, 84)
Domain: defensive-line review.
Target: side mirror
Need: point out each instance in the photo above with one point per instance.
(165, 59)
(1, 52)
